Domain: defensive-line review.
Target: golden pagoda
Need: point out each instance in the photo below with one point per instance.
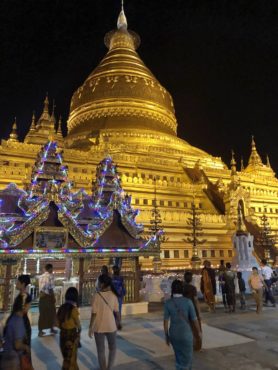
(123, 111)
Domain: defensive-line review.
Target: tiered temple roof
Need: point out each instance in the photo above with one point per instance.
(104, 221)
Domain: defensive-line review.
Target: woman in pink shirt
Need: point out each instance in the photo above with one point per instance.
(256, 283)
(103, 322)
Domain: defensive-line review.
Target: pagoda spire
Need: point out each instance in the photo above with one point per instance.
(59, 128)
(13, 135)
(233, 164)
(59, 134)
(254, 158)
(33, 123)
(52, 117)
(122, 21)
(45, 117)
(241, 165)
(46, 104)
(267, 161)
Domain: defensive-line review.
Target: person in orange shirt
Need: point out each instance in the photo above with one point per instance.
(256, 283)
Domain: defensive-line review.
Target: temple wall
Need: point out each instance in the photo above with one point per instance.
(175, 193)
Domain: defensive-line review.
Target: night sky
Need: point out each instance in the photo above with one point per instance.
(218, 59)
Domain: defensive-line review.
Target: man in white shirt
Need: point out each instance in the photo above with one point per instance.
(47, 308)
(267, 275)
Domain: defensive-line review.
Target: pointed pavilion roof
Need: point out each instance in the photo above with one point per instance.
(40, 132)
(110, 229)
(254, 159)
(59, 135)
(255, 164)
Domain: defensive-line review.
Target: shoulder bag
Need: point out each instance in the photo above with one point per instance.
(119, 326)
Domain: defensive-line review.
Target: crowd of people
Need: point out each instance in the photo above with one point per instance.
(260, 285)
(182, 316)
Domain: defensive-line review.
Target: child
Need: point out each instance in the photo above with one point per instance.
(69, 323)
(242, 289)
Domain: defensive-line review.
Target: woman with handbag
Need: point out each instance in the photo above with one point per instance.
(69, 324)
(103, 323)
(183, 325)
(16, 353)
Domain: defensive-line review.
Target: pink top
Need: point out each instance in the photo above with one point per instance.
(256, 281)
(105, 320)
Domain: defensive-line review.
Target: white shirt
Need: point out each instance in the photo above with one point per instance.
(105, 320)
(46, 282)
(267, 272)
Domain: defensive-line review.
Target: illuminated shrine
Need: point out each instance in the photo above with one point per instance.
(50, 221)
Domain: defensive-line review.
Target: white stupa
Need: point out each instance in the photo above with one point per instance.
(244, 258)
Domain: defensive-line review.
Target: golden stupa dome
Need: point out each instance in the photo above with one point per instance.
(121, 93)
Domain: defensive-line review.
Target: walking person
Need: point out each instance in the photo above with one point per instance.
(118, 282)
(222, 269)
(242, 289)
(256, 283)
(180, 311)
(229, 279)
(208, 285)
(47, 309)
(103, 271)
(267, 275)
(21, 285)
(190, 292)
(15, 349)
(103, 323)
(70, 329)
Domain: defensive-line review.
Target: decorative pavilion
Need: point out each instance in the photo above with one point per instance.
(48, 221)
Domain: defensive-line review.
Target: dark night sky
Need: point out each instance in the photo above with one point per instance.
(218, 59)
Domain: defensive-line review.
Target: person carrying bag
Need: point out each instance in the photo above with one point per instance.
(184, 326)
(103, 324)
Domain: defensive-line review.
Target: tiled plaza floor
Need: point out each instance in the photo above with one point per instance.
(240, 341)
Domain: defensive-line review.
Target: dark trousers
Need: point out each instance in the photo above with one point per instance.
(268, 292)
(224, 295)
(242, 299)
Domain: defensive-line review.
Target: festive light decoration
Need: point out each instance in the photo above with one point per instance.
(68, 250)
(86, 218)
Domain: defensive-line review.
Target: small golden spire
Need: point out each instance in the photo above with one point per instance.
(13, 135)
(233, 164)
(46, 104)
(254, 159)
(241, 165)
(122, 21)
(59, 134)
(33, 123)
(267, 161)
(59, 129)
(52, 118)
